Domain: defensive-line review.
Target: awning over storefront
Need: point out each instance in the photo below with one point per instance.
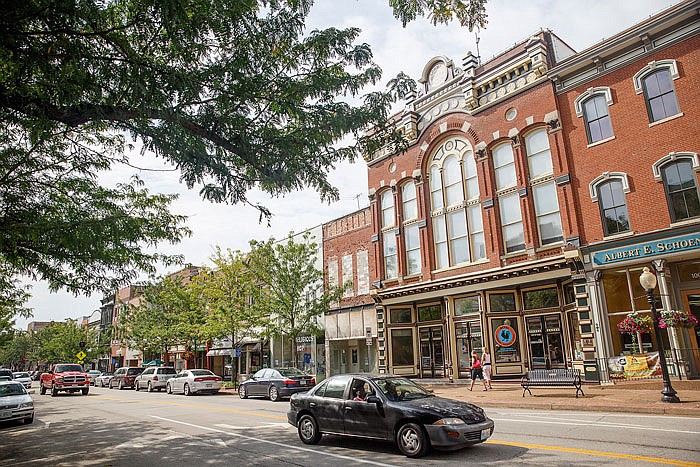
(218, 352)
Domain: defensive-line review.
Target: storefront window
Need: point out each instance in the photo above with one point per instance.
(402, 347)
(468, 338)
(466, 305)
(502, 302)
(400, 315)
(543, 298)
(617, 295)
(429, 313)
(506, 345)
(575, 335)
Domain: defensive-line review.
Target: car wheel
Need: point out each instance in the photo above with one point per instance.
(137, 386)
(242, 392)
(274, 393)
(168, 388)
(186, 390)
(308, 430)
(54, 391)
(42, 389)
(29, 420)
(121, 384)
(149, 388)
(412, 441)
(85, 391)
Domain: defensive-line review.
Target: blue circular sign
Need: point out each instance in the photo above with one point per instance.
(505, 336)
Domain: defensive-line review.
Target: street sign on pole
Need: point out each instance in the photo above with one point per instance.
(81, 355)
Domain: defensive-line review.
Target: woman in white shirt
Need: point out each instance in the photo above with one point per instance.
(486, 365)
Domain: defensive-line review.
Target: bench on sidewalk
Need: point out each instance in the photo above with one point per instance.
(555, 377)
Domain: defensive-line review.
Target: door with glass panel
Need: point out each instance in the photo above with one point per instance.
(432, 356)
(691, 302)
(468, 339)
(546, 341)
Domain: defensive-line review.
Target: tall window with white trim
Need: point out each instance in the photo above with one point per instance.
(597, 118)
(544, 189)
(681, 188)
(508, 199)
(660, 95)
(409, 212)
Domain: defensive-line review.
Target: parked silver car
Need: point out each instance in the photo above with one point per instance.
(23, 377)
(15, 402)
(104, 379)
(154, 378)
(194, 381)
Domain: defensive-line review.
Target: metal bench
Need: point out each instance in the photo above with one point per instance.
(552, 378)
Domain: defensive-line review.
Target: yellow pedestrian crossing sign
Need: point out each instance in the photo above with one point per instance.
(81, 355)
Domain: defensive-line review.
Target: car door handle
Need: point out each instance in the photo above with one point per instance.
(312, 404)
(348, 408)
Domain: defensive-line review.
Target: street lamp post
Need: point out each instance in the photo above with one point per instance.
(648, 282)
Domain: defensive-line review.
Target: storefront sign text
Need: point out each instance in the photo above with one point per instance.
(642, 250)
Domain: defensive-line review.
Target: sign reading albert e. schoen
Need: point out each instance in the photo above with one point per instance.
(647, 249)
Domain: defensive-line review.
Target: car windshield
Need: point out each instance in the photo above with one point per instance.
(106, 374)
(202, 373)
(94, 372)
(401, 389)
(7, 390)
(288, 372)
(64, 368)
(21, 375)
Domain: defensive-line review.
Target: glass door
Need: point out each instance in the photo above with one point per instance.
(546, 341)
(691, 302)
(432, 357)
(468, 338)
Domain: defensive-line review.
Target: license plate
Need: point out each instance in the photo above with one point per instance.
(485, 433)
(208, 385)
(303, 381)
(5, 413)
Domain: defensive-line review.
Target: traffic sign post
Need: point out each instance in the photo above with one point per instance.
(81, 355)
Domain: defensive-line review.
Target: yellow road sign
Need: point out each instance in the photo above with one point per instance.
(81, 355)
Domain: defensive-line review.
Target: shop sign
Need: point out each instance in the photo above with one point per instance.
(648, 249)
(505, 336)
(305, 339)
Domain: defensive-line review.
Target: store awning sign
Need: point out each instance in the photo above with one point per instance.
(648, 249)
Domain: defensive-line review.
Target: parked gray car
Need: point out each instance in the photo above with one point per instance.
(104, 379)
(154, 378)
(93, 374)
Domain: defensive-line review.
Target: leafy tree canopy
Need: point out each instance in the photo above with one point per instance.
(469, 13)
(59, 342)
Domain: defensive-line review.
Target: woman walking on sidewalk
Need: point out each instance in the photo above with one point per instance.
(477, 371)
(486, 365)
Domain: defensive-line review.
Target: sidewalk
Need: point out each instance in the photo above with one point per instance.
(626, 396)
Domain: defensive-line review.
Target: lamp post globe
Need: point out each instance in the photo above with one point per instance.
(648, 283)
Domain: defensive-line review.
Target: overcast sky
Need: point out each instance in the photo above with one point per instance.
(580, 23)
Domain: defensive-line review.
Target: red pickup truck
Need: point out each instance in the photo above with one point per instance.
(68, 377)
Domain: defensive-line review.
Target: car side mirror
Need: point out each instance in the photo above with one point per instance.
(50, 372)
(374, 400)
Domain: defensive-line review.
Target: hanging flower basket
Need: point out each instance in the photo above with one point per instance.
(635, 323)
(677, 319)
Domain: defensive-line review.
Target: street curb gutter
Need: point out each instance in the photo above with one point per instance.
(653, 410)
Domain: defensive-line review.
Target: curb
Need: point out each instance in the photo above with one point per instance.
(649, 410)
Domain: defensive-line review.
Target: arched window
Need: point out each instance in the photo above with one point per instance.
(544, 188)
(408, 199)
(458, 229)
(681, 188)
(508, 199)
(388, 235)
(387, 202)
(609, 191)
(593, 105)
(411, 229)
(656, 82)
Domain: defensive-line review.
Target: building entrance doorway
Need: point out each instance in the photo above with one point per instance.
(691, 355)
(432, 352)
(546, 341)
(468, 339)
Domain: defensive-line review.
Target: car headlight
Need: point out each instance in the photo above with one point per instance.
(26, 405)
(450, 421)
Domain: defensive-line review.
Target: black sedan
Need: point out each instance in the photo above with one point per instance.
(387, 407)
(276, 383)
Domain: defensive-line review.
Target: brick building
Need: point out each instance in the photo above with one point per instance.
(351, 325)
(487, 230)
(630, 107)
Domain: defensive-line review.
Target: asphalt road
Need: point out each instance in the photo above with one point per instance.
(128, 428)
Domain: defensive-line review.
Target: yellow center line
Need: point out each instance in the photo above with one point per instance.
(209, 407)
(591, 452)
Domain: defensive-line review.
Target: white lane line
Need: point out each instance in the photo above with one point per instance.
(248, 427)
(274, 443)
(631, 427)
